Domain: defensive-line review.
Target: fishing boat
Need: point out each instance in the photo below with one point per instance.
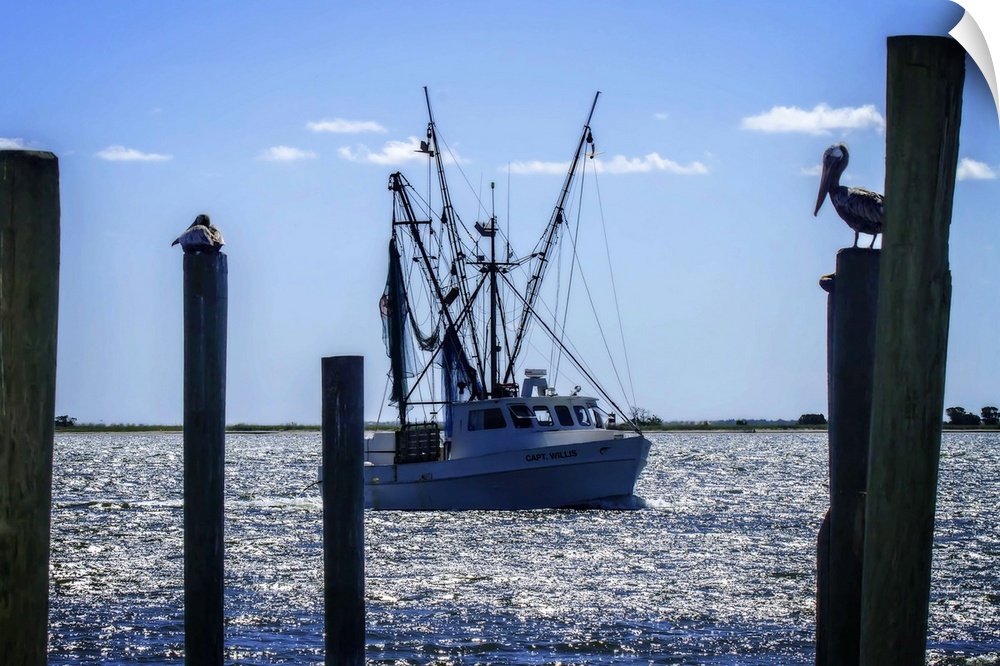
(457, 309)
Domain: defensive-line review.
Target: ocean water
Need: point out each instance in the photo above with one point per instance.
(719, 568)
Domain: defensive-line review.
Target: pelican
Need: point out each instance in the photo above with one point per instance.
(201, 236)
(860, 208)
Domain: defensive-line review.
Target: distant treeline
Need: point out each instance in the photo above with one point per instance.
(66, 424)
(989, 417)
(650, 421)
(70, 424)
(737, 424)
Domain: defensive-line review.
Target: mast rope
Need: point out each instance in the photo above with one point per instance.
(385, 392)
(597, 319)
(614, 290)
(573, 263)
(587, 373)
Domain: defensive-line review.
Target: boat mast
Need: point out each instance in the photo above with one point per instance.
(456, 292)
(451, 230)
(548, 240)
(494, 343)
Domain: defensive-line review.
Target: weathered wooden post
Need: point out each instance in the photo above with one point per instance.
(29, 307)
(343, 509)
(206, 286)
(822, 590)
(923, 113)
(851, 312)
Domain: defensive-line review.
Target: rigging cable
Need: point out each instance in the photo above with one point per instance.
(573, 260)
(597, 320)
(614, 288)
(385, 392)
(580, 366)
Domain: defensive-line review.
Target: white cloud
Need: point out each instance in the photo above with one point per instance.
(344, 126)
(536, 166)
(651, 162)
(123, 154)
(660, 116)
(392, 153)
(820, 120)
(617, 164)
(13, 144)
(969, 169)
(286, 154)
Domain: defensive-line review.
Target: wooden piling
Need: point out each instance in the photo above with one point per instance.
(29, 305)
(343, 509)
(823, 590)
(923, 113)
(206, 285)
(851, 315)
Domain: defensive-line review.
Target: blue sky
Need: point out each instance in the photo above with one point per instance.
(283, 121)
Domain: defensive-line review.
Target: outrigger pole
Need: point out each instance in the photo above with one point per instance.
(448, 222)
(490, 376)
(549, 237)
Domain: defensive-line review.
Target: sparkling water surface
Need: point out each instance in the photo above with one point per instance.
(719, 568)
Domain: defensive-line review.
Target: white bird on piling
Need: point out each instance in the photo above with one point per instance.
(201, 236)
(862, 209)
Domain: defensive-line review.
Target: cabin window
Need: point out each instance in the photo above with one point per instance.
(565, 418)
(582, 415)
(521, 415)
(486, 419)
(543, 415)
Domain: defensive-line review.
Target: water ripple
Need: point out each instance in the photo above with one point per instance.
(718, 568)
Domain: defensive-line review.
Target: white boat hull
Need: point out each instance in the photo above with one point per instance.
(586, 473)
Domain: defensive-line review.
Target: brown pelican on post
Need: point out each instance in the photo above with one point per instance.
(860, 208)
(201, 236)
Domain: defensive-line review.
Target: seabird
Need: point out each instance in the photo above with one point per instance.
(860, 208)
(201, 236)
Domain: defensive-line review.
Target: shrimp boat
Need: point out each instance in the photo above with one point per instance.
(455, 323)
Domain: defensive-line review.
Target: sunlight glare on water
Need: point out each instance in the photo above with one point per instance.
(719, 568)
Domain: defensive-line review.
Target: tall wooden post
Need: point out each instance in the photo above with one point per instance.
(852, 309)
(923, 113)
(29, 307)
(206, 285)
(823, 591)
(343, 509)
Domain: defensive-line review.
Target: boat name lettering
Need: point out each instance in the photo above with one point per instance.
(555, 455)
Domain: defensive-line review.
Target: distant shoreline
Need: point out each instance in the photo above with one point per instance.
(242, 428)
